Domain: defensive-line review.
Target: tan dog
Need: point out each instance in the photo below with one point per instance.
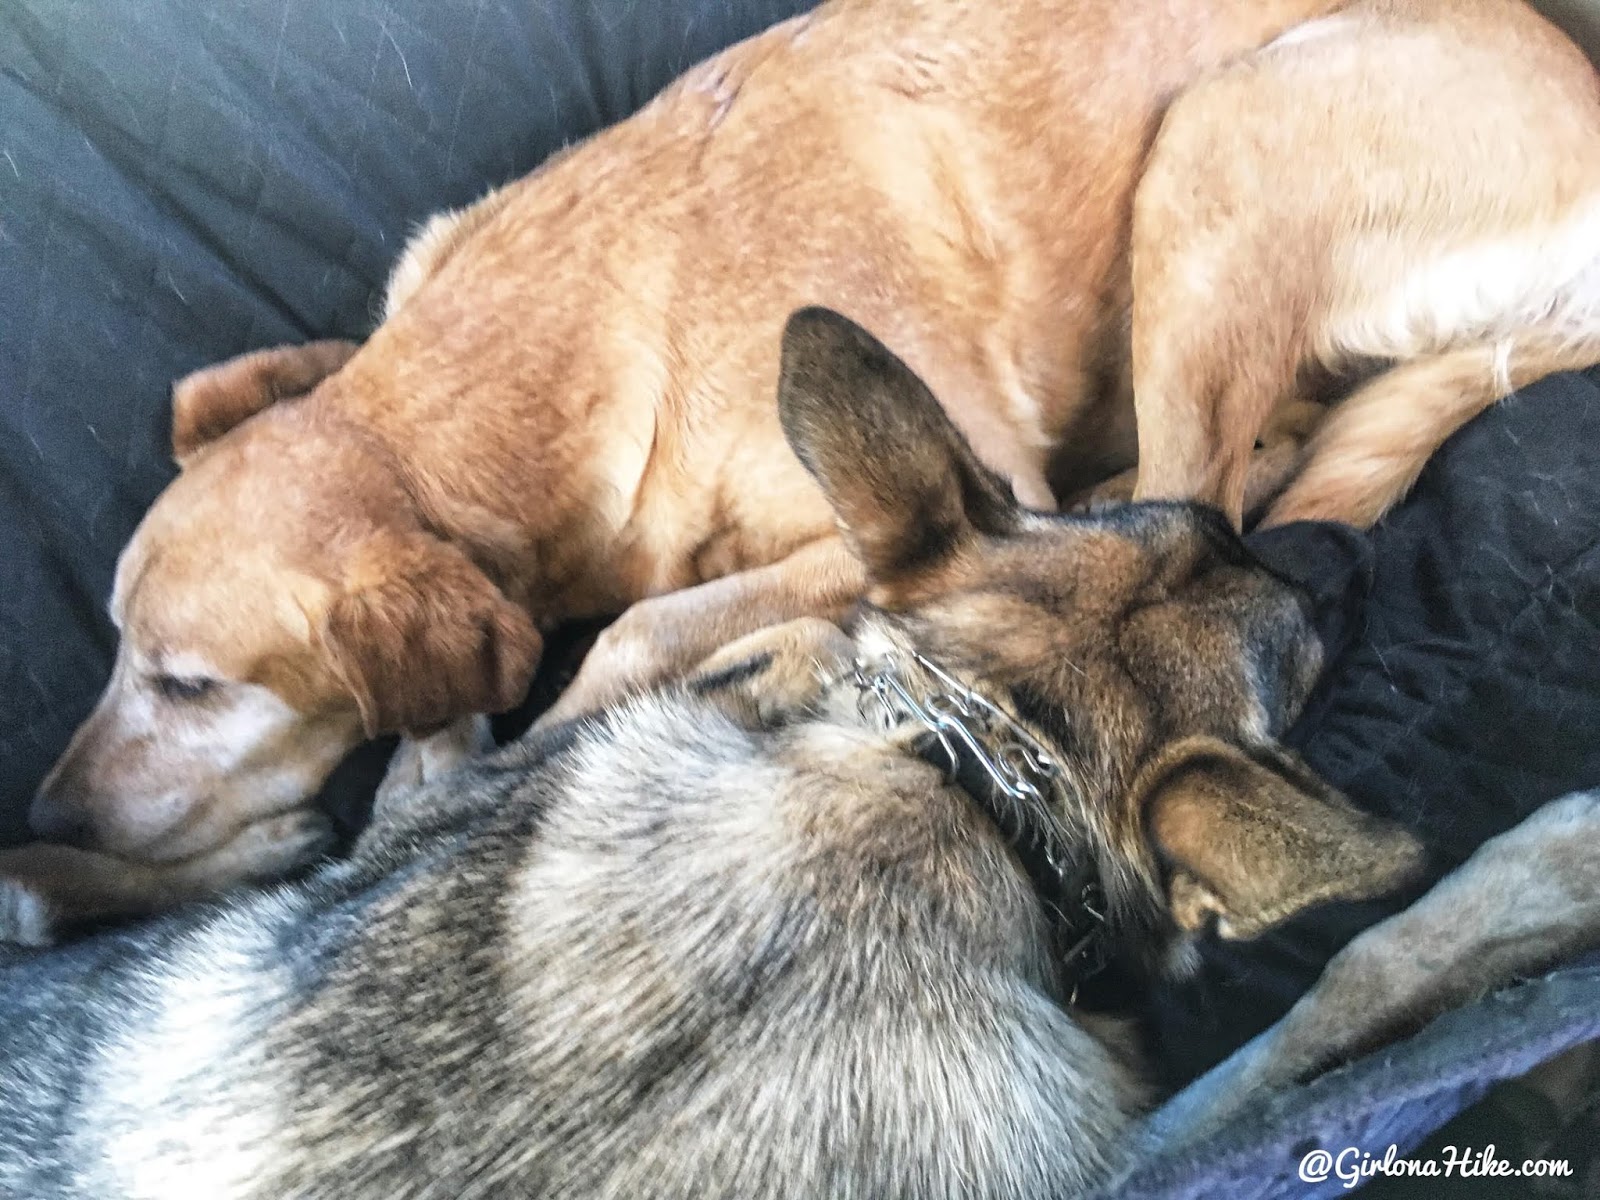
(568, 408)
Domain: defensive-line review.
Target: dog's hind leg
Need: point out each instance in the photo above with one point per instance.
(1279, 449)
(1523, 902)
(1373, 445)
(1379, 187)
(1219, 313)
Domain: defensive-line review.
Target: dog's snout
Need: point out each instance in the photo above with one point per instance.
(54, 818)
(1283, 653)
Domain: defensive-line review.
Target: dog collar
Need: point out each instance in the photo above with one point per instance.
(1013, 778)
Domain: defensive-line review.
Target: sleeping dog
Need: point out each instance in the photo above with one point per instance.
(809, 924)
(1046, 206)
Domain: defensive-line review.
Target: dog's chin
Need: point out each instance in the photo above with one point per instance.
(174, 829)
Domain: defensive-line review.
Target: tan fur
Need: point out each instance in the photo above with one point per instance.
(1448, 250)
(208, 403)
(573, 388)
(439, 237)
(1369, 451)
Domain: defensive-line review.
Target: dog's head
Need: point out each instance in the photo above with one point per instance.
(280, 602)
(1145, 643)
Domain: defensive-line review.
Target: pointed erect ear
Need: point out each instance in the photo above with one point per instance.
(1253, 839)
(902, 480)
(208, 403)
(422, 637)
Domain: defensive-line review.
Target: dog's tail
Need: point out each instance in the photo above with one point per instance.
(1372, 446)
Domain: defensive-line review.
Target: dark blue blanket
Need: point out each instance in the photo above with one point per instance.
(183, 180)
(1315, 1140)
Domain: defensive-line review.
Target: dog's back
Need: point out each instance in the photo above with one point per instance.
(667, 993)
(957, 178)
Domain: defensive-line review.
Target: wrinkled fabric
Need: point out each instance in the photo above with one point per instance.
(185, 180)
(1394, 1097)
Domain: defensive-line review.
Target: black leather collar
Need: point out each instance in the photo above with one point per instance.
(1013, 778)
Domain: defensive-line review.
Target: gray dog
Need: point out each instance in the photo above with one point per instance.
(809, 924)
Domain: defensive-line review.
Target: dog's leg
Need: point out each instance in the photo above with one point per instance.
(1373, 446)
(775, 673)
(45, 888)
(1525, 901)
(1366, 228)
(1279, 452)
(408, 794)
(1218, 316)
(665, 636)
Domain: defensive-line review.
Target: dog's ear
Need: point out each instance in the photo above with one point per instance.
(1251, 839)
(211, 401)
(904, 484)
(421, 636)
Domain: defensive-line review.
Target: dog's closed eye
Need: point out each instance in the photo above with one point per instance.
(185, 688)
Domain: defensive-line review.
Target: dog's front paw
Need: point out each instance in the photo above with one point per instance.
(1110, 493)
(778, 672)
(648, 644)
(46, 890)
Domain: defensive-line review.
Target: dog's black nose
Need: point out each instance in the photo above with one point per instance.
(52, 821)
